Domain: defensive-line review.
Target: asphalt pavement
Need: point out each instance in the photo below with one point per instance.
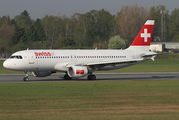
(18, 78)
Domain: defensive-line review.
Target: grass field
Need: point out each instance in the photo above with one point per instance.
(93, 100)
(148, 66)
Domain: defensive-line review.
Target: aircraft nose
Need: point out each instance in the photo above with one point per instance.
(5, 64)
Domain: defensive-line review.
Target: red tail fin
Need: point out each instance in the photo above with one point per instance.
(144, 36)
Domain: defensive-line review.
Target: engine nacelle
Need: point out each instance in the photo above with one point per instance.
(42, 73)
(77, 71)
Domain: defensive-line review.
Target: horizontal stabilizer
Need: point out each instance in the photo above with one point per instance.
(151, 55)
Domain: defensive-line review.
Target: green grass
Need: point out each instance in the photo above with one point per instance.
(97, 100)
(148, 66)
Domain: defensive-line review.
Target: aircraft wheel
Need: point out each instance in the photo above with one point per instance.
(67, 77)
(91, 77)
(26, 79)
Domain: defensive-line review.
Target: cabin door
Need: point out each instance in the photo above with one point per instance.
(31, 58)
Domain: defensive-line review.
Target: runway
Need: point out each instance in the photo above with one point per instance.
(17, 78)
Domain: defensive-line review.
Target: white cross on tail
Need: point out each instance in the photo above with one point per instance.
(145, 35)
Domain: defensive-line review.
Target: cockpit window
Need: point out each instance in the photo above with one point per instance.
(16, 57)
(20, 57)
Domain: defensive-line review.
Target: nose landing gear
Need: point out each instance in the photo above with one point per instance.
(26, 78)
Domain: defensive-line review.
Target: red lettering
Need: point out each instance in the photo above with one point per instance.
(48, 54)
(36, 54)
(42, 54)
(80, 71)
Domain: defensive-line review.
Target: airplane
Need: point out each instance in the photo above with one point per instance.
(79, 63)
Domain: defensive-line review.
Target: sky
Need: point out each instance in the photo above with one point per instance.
(40, 8)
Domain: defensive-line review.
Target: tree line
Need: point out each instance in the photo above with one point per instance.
(96, 28)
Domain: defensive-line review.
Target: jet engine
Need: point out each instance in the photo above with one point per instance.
(42, 73)
(77, 71)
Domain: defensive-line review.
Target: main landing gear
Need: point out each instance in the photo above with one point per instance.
(67, 77)
(26, 78)
(91, 77)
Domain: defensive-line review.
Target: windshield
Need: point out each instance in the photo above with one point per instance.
(16, 57)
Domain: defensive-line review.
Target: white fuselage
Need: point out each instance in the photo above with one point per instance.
(45, 60)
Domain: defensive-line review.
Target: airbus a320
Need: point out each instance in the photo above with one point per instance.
(79, 63)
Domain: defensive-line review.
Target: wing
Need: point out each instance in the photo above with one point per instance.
(109, 65)
(112, 62)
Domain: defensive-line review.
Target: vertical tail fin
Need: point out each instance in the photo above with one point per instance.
(143, 39)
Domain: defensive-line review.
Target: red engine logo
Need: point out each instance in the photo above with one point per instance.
(80, 71)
